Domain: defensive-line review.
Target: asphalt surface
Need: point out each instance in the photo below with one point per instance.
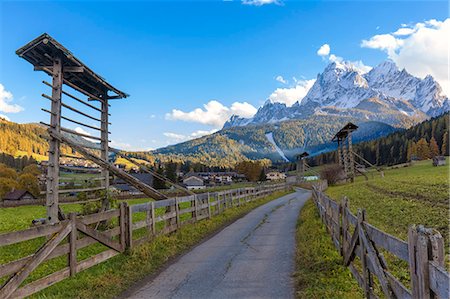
(251, 258)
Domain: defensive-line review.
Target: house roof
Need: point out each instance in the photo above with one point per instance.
(302, 155)
(16, 194)
(41, 51)
(191, 180)
(343, 133)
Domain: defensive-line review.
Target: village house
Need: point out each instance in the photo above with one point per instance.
(194, 182)
(125, 188)
(275, 176)
(19, 195)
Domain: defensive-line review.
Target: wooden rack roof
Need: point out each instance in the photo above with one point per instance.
(44, 49)
(343, 133)
(302, 155)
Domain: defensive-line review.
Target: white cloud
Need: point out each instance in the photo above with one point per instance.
(422, 49)
(201, 133)
(4, 117)
(177, 138)
(82, 131)
(281, 79)
(243, 109)
(6, 98)
(291, 95)
(387, 42)
(261, 2)
(213, 113)
(324, 50)
(120, 145)
(404, 31)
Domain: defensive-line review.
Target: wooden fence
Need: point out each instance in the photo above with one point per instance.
(355, 238)
(116, 229)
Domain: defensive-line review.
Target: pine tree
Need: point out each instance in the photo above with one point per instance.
(158, 183)
(423, 149)
(445, 144)
(29, 182)
(434, 149)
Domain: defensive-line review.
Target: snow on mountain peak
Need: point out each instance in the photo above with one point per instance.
(342, 86)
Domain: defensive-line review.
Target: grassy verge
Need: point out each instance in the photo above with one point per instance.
(319, 270)
(112, 277)
(417, 194)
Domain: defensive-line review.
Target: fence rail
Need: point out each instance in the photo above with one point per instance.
(355, 238)
(117, 229)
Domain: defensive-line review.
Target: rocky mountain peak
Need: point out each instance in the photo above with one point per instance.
(342, 87)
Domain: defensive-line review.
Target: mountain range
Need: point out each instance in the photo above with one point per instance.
(384, 94)
(380, 101)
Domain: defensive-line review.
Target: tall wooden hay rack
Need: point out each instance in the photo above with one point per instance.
(346, 158)
(71, 81)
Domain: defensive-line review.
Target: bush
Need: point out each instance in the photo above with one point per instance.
(332, 173)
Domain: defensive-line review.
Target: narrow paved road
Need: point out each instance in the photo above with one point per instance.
(251, 258)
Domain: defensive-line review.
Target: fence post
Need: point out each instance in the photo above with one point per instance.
(73, 245)
(412, 241)
(177, 212)
(148, 219)
(344, 227)
(195, 207)
(129, 227)
(209, 206)
(365, 270)
(437, 248)
(122, 225)
(152, 206)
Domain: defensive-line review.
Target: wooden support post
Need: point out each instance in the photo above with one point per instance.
(422, 254)
(365, 270)
(128, 227)
(122, 224)
(148, 219)
(73, 244)
(54, 144)
(424, 246)
(105, 149)
(177, 212)
(351, 157)
(339, 152)
(195, 214)
(345, 225)
(209, 206)
(152, 205)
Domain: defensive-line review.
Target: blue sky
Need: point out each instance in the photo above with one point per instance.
(182, 55)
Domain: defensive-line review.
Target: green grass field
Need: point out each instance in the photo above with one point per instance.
(418, 194)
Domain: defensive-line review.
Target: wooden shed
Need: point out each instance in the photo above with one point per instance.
(19, 195)
(439, 161)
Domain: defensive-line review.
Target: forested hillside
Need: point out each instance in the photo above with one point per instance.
(421, 141)
(24, 139)
(229, 146)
